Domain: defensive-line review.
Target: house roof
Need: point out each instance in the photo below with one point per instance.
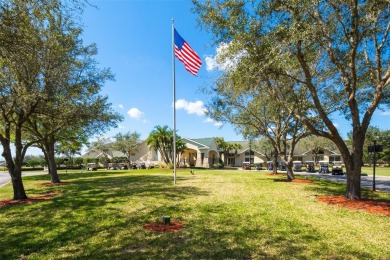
(94, 154)
(204, 141)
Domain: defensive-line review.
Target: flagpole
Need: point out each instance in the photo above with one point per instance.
(174, 101)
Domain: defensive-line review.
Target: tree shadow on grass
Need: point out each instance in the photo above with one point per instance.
(85, 209)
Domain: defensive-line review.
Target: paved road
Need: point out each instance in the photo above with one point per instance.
(5, 178)
(381, 183)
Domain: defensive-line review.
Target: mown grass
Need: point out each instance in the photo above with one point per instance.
(227, 215)
(379, 171)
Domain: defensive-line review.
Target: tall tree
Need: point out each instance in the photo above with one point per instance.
(21, 88)
(335, 51)
(244, 103)
(72, 82)
(127, 143)
(104, 146)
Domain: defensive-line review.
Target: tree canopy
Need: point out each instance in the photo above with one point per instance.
(49, 82)
(334, 52)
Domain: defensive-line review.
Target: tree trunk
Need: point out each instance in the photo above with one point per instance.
(49, 147)
(14, 170)
(353, 167)
(18, 187)
(275, 163)
(289, 168)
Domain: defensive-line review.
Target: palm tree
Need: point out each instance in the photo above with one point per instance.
(225, 147)
(161, 139)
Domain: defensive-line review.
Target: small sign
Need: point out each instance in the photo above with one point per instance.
(375, 148)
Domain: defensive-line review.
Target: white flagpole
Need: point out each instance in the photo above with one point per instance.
(174, 101)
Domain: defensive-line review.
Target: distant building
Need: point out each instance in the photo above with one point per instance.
(203, 152)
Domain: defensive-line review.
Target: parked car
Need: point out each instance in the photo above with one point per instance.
(246, 166)
(133, 166)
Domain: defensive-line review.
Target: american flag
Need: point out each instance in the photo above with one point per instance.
(186, 54)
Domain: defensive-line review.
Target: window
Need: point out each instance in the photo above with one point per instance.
(247, 153)
(231, 161)
(247, 160)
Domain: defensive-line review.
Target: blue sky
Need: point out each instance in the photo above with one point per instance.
(134, 40)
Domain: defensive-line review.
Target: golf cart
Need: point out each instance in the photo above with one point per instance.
(92, 167)
(324, 167)
(337, 168)
(281, 166)
(123, 166)
(112, 166)
(297, 166)
(246, 166)
(310, 166)
(270, 165)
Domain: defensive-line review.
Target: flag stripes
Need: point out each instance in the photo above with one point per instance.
(187, 55)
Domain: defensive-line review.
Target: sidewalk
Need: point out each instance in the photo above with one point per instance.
(5, 177)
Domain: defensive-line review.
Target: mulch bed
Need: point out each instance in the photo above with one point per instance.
(294, 181)
(161, 227)
(45, 196)
(369, 205)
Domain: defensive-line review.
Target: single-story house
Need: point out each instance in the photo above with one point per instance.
(203, 152)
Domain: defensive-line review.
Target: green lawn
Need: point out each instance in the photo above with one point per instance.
(379, 171)
(228, 214)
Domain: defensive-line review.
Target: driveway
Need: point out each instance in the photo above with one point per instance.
(5, 178)
(382, 183)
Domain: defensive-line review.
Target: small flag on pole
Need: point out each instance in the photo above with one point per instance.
(186, 54)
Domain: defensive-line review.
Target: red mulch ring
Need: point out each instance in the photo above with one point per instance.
(29, 200)
(302, 181)
(294, 181)
(49, 184)
(369, 205)
(161, 227)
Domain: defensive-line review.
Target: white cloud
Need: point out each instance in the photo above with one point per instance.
(135, 113)
(220, 61)
(120, 106)
(385, 113)
(210, 120)
(211, 63)
(121, 127)
(196, 107)
(336, 125)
